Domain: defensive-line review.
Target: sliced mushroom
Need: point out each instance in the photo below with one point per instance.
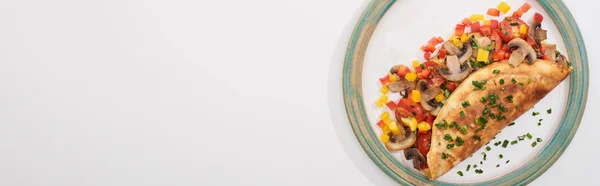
(416, 156)
(551, 50)
(402, 86)
(462, 54)
(401, 141)
(562, 61)
(484, 41)
(520, 50)
(536, 32)
(455, 71)
(428, 95)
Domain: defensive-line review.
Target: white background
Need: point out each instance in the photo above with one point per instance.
(149, 92)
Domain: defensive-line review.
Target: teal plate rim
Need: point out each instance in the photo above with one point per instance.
(355, 108)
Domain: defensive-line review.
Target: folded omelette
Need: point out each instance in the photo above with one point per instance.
(507, 93)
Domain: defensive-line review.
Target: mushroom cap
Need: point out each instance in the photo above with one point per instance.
(463, 55)
(416, 156)
(403, 142)
(402, 85)
(427, 95)
(521, 48)
(455, 71)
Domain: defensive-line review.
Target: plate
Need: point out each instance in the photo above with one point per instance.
(390, 32)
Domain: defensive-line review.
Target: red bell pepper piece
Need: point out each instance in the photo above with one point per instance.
(493, 12)
(494, 24)
(442, 53)
(450, 85)
(380, 124)
(475, 27)
(538, 17)
(423, 74)
(391, 105)
(427, 55)
(466, 21)
(385, 80)
(525, 7)
(459, 30)
(485, 30)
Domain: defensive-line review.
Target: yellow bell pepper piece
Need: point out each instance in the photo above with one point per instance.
(383, 99)
(416, 63)
(487, 22)
(387, 122)
(411, 76)
(379, 103)
(464, 38)
(503, 7)
(393, 77)
(385, 90)
(410, 122)
(482, 55)
(440, 97)
(424, 126)
(386, 129)
(394, 128)
(523, 29)
(384, 138)
(416, 96)
(476, 17)
(384, 115)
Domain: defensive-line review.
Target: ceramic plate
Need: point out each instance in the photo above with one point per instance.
(390, 32)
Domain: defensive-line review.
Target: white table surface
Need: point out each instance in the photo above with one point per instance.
(180, 92)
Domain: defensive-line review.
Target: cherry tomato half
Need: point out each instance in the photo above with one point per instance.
(424, 143)
(509, 29)
(408, 108)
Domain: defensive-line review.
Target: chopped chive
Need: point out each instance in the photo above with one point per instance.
(438, 125)
(514, 81)
(466, 104)
(481, 162)
(521, 138)
(488, 148)
(505, 143)
(483, 99)
(496, 71)
(507, 161)
(449, 146)
(529, 136)
(514, 142)
(477, 138)
(533, 144)
(477, 84)
(468, 167)
(447, 137)
(497, 165)
(463, 129)
(444, 155)
(478, 171)
(539, 139)
(462, 114)
(529, 80)
(509, 98)
(521, 84)
(511, 124)
(459, 173)
(535, 113)
(502, 81)
(516, 106)
(474, 165)
(459, 141)
(549, 111)
(503, 88)
(486, 110)
(497, 143)
(502, 108)
(500, 156)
